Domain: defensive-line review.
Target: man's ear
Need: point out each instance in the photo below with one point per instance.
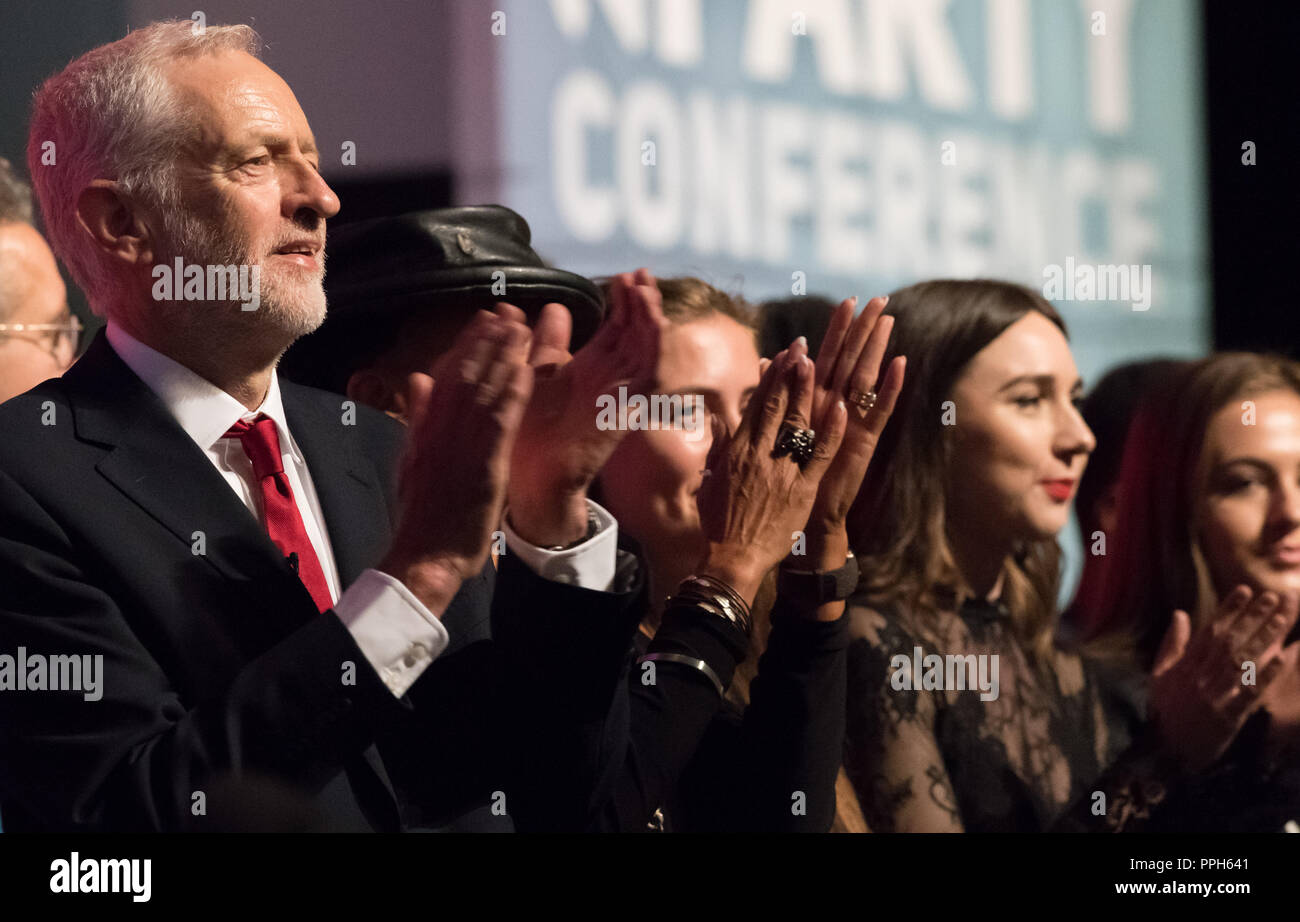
(114, 223)
(369, 387)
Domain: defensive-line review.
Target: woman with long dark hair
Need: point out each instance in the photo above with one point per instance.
(964, 712)
(955, 532)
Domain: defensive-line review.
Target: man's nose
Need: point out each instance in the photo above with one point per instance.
(308, 189)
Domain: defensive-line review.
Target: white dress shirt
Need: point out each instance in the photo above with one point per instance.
(398, 635)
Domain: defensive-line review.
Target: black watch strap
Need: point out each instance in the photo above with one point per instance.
(813, 588)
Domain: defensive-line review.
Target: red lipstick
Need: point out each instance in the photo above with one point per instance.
(1059, 490)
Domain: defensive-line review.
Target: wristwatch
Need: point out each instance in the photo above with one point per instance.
(814, 588)
(593, 529)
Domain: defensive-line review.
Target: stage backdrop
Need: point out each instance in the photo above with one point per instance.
(853, 146)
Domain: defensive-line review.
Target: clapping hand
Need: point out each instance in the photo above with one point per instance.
(759, 489)
(1199, 697)
(452, 477)
(560, 449)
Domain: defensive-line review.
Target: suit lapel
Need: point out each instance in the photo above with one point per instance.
(347, 485)
(155, 463)
(158, 466)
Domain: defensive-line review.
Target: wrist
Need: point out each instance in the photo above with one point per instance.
(559, 519)
(823, 550)
(434, 581)
(817, 591)
(733, 567)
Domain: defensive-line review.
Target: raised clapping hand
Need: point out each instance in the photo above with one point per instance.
(848, 363)
(1198, 701)
(560, 450)
(452, 478)
(752, 501)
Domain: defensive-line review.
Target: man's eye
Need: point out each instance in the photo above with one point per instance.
(258, 161)
(1026, 402)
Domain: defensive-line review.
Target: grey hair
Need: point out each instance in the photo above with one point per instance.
(111, 114)
(15, 196)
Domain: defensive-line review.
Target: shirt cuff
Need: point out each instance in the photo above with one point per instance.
(589, 565)
(397, 634)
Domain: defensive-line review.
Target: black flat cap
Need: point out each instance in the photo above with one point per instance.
(447, 253)
(446, 260)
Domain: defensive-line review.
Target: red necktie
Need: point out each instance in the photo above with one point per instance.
(283, 521)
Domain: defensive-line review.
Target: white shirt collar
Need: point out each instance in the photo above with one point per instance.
(203, 410)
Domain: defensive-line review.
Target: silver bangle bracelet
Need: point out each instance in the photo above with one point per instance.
(697, 664)
(715, 597)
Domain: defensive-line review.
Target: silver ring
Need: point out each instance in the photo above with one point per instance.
(863, 400)
(795, 442)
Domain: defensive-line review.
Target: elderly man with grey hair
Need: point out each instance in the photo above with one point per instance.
(38, 334)
(224, 617)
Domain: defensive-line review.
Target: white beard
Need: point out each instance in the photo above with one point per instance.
(292, 298)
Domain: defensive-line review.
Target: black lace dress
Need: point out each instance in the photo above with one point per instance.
(927, 755)
(1062, 752)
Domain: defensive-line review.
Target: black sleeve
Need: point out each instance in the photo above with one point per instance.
(669, 708)
(134, 758)
(1128, 795)
(563, 657)
(1147, 790)
(774, 769)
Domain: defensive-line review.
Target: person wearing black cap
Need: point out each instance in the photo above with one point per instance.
(400, 288)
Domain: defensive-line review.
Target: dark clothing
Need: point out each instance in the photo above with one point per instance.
(1068, 751)
(770, 768)
(1252, 787)
(926, 757)
(221, 681)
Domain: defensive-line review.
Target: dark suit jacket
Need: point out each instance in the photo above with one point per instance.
(225, 700)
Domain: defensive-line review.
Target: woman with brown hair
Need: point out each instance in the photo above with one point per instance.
(708, 358)
(1206, 566)
(963, 715)
(782, 723)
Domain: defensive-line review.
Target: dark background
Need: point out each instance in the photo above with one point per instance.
(1252, 74)
(1252, 77)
